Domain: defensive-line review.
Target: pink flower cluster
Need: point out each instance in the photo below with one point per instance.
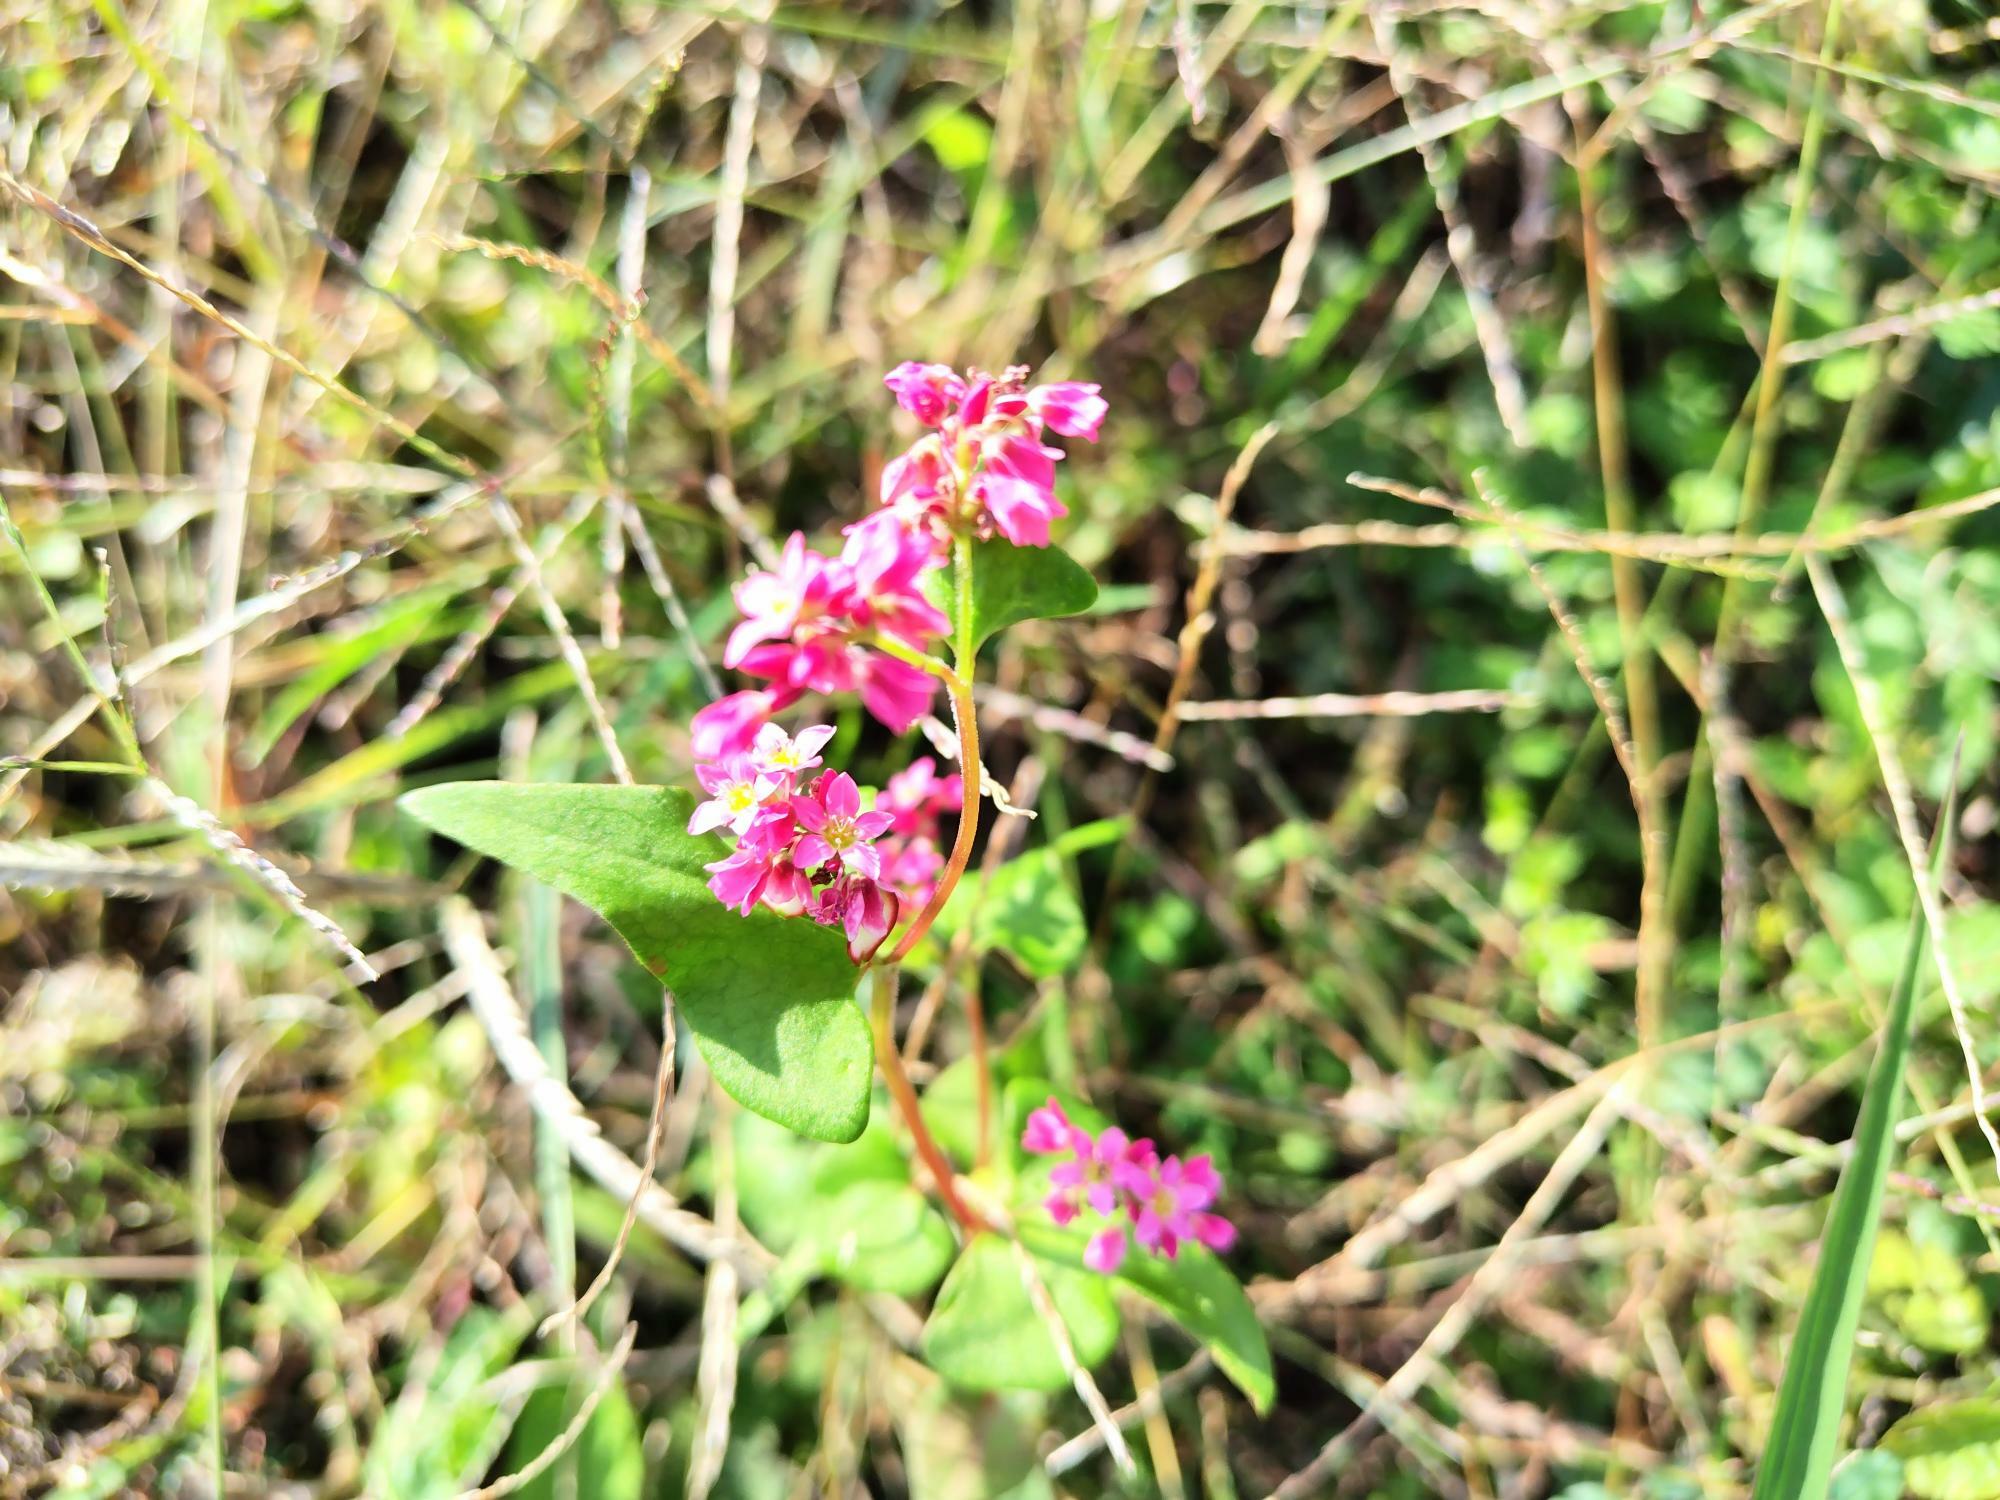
(808, 628)
(916, 799)
(815, 624)
(1165, 1201)
(800, 852)
(809, 849)
(984, 465)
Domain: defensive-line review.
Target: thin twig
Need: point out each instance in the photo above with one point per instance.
(493, 1002)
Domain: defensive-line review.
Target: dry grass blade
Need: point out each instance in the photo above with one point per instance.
(196, 819)
(493, 1001)
(1903, 803)
(1445, 1334)
(1356, 706)
(609, 1372)
(715, 1372)
(656, 1127)
(1079, 1378)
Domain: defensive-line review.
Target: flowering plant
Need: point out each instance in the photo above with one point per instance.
(762, 902)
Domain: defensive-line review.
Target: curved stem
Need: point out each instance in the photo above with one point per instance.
(905, 1096)
(964, 719)
(888, 645)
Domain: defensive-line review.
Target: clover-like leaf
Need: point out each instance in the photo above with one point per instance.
(1196, 1290)
(770, 999)
(1011, 584)
(1950, 1452)
(884, 1237)
(984, 1333)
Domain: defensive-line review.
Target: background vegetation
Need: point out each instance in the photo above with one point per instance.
(1547, 559)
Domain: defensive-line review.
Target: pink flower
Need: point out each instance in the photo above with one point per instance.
(774, 605)
(1092, 1171)
(862, 908)
(894, 691)
(1106, 1251)
(926, 392)
(917, 478)
(777, 754)
(1166, 1202)
(762, 869)
(1070, 407)
(1018, 488)
(910, 868)
(1047, 1132)
(836, 828)
(917, 796)
(729, 725)
(1171, 1207)
(985, 468)
(737, 794)
(885, 561)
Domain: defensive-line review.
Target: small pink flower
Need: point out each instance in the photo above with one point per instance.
(917, 796)
(1171, 1209)
(836, 828)
(776, 754)
(894, 691)
(739, 879)
(862, 908)
(729, 725)
(1047, 1131)
(926, 392)
(1106, 1251)
(1018, 488)
(774, 605)
(885, 561)
(916, 479)
(1092, 1172)
(1070, 407)
(737, 792)
(910, 868)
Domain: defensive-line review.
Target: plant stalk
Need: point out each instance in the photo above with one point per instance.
(904, 1094)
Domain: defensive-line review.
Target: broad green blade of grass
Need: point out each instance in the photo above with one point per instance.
(1798, 1460)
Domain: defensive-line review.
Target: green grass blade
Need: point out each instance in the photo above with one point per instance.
(1798, 1460)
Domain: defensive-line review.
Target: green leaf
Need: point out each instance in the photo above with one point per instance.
(884, 1237)
(1868, 1475)
(1196, 1290)
(1011, 584)
(339, 657)
(984, 1333)
(770, 999)
(1950, 1452)
(1029, 910)
(608, 1462)
(1805, 1427)
(437, 1438)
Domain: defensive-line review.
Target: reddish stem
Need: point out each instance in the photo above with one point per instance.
(904, 1094)
(965, 718)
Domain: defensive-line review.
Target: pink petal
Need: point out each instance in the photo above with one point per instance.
(1106, 1251)
(840, 795)
(1215, 1232)
(810, 811)
(1044, 1133)
(708, 817)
